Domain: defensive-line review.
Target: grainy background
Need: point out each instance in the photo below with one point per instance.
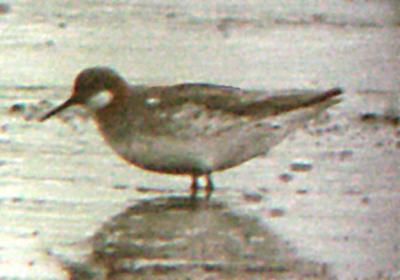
(65, 197)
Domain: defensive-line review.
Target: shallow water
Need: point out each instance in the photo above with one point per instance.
(59, 183)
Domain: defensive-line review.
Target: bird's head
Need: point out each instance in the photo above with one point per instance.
(93, 88)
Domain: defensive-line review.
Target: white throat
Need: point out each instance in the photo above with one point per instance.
(100, 100)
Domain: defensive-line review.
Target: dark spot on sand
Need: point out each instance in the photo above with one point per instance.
(301, 166)
(353, 192)
(62, 25)
(171, 15)
(252, 197)
(152, 190)
(345, 154)
(264, 190)
(392, 119)
(276, 126)
(286, 177)
(143, 189)
(302, 191)
(365, 200)
(318, 18)
(369, 117)
(276, 212)
(120, 187)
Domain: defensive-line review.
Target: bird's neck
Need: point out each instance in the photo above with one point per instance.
(118, 87)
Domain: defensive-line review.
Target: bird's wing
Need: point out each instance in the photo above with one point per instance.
(280, 104)
(204, 109)
(240, 102)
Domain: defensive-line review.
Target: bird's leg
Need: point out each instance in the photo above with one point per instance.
(209, 187)
(194, 187)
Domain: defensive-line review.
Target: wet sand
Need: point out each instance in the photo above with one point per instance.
(325, 201)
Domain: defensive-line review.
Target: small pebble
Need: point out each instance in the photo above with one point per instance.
(120, 187)
(62, 25)
(276, 212)
(264, 190)
(171, 15)
(369, 117)
(302, 191)
(152, 190)
(286, 177)
(252, 197)
(345, 154)
(365, 200)
(143, 189)
(301, 166)
(374, 117)
(394, 120)
(319, 18)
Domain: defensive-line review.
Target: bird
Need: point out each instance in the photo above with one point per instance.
(192, 129)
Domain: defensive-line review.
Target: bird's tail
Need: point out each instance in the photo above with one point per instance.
(299, 109)
(281, 104)
(323, 100)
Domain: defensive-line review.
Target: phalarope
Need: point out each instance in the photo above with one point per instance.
(190, 129)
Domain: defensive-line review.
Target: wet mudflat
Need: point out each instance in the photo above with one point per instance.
(323, 204)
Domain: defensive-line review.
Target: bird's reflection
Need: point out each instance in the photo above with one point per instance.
(176, 238)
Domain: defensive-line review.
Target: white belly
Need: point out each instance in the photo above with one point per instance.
(167, 155)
